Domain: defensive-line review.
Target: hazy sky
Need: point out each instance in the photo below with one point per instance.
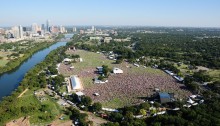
(193, 13)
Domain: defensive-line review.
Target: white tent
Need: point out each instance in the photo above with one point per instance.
(79, 93)
(190, 101)
(117, 71)
(67, 60)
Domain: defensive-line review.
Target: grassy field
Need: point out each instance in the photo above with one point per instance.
(215, 74)
(4, 60)
(122, 89)
(91, 59)
(28, 99)
(115, 103)
(184, 69)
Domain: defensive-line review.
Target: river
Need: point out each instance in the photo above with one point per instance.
(9, 81)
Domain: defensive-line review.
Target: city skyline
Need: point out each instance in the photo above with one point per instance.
(129, 13)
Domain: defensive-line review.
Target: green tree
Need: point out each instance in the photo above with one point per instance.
(143, 112)
(86, 100)
(96, 107)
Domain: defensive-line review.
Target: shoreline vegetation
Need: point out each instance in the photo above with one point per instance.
(13, 64)
(12, 107)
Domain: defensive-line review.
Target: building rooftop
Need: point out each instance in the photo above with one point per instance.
(164, 95)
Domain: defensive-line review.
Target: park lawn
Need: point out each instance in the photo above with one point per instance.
(184, 69)
(215, 75)
(3, 62)
(54, 110)
(4, 54)
(141, 70)
(115, 103)
(28, 99)
(87, 82)
(91, 60)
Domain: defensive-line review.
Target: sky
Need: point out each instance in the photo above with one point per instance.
(183, 13)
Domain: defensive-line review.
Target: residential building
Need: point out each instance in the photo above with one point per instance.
(107, 39)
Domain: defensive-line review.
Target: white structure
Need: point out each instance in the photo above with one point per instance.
(117, 71)
(97, 81)
(190, 101)
(67, 60)
(58, 65)
(95, 38)
(110, 110)
(180, 79)
(135, 64)
(169, 72)
(34, 28)
(74, 29)
(80, 60)
(107, 39)
(72, 67)
(62, 29)
(159, 113)
(79, 93)
(96, 94)
(75, 83)
(15, 32)
(193, 96)
(20, 31)
(93, 28)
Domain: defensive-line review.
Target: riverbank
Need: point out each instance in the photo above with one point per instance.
(12, 107)
(14, 63)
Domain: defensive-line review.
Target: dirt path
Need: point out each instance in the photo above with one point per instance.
(23, 92)
(24, 121)
(97, 121)
(59, 123)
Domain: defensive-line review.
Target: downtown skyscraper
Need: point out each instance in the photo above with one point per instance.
(48, 25)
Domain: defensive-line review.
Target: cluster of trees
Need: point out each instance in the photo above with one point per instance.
(16, 62)
(180, 47)
(86, 102)
(81, 119)
(206, 114)
(173, 47)
(168, 66)
(192, 82)
(106, 71)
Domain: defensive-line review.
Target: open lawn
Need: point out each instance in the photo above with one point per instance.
(44, 117)
(28, 99)
(122, 89)
(215, 74)
(184, 69)
(3, 60)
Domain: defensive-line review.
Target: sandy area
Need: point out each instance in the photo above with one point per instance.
(24, 121)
